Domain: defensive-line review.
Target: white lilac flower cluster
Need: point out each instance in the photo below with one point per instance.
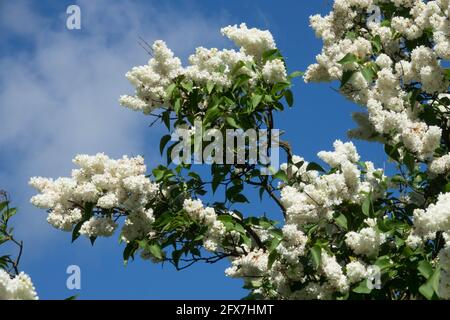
(293, 245)
(109, 186)
(435, 218)
(314, 196)
(251, 265)
(367, 241)
(19, 287)
(206, 65)
(386, 98)
(206, 216)
(151, 80)
(310, 198)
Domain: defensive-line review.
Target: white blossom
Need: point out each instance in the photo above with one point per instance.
(19, 287)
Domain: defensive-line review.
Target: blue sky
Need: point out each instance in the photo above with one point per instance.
(58, 97)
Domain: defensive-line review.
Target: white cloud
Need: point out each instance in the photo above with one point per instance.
(59, 90)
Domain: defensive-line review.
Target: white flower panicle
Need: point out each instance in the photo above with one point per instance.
(152, 79)
(219, 67)
(101, 182)
(208, 217)
(252, 265)
(434, 218)
(19, 287)
(293, 245)
(316, 195)
(440, 165)
(98, 227)
(274, 71)
(333, 272)
(386, 98)
(252, 41)
(367, 241)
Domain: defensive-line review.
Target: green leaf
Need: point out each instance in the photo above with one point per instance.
(431, 287)
(271, 54)
(176, 255)
(9, 213)
(341, 221)
(384, 262)
(87, 214)
(234, 190)
(3, 205)
(256, 100)
(392, 152)
(74, 297)
(281, 175)
(162, 144)
(316, 255)
(272, 258)
(367, 205)
(447, 73)
(427, 291)
(170, 89)
(409, 161)
(166, 119)
(209, 86)
(240, 80)
(211, 114)
(351, 35)
(368, 73)
(363, 287)
(413, 95)
(128, 252)
(447, 188)
(155, 250)
(187, 85)
(279, 86)
(76, 229)
(296, 74)
(225, 218)
(314, 166)
(349, 58)
(3, 239)
(346, 76)
(425, 268)
(232, 122)
(158, 174)
(240, 198)
(237, 67)
(163, 219)
(376, 43)
(177, 106)
(218, 178)
(289, 97)
(239, 228)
